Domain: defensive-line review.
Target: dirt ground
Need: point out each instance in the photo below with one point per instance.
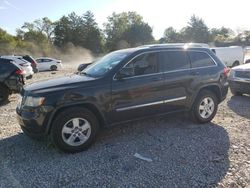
(183, 154)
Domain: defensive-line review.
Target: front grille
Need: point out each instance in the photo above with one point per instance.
(242, 74)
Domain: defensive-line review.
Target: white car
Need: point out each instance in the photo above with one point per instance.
(45, 63)
(25, 65)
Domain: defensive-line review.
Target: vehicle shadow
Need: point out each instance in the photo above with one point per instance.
(240, 105)
(183, 155)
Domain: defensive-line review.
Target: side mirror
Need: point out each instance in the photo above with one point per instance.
(81, 67)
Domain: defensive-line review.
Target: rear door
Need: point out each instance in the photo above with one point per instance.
(177, 79)
(141, 90)
(41, 64)
(203, 68)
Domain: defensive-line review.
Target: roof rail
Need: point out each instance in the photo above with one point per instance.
(184, 45)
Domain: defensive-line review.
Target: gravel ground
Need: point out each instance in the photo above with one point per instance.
(183, 154)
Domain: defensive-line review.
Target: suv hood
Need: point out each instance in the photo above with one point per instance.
(242, 67)
(66, 82)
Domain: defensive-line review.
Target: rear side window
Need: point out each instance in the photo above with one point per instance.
(47, 60)
(174, 60)
(6, 68)
(200, 59)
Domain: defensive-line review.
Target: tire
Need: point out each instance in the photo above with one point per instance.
(53, 68)
(209, 110)
(74, 130)
(4, 94)
(236, 63)
(35, 70)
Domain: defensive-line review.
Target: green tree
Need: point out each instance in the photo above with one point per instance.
(127, 28)
(93, 39)
(7, 42)
(196, 31)
(221, 34)
(81, 31)
(171, 36)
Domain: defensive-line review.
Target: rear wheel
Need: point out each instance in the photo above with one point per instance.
(74, 130)
(236, 63)
(205, 107)
(4, 94)
(53, 68)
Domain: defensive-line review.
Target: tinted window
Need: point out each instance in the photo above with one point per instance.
(174, 60)
(6, 68)
(38, 60)
(200, 59)
(105, 64)
(46, 60)
(142, 65)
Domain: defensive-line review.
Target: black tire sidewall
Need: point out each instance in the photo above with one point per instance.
(4, 92)
(195, 111)
(53, 68)
(65, 116)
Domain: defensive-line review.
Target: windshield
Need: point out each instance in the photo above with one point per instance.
(105, 64)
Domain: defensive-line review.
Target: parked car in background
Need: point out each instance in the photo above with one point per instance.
(11, 78)
(32, 61)
(239, 80)
(45, 63)
(25, 65)
(122, 86)
(247, 61)
(232, 56)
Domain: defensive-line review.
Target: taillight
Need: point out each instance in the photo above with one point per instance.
(20, 72)
(226, 71)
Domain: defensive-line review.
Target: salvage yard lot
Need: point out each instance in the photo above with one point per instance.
(183, 154)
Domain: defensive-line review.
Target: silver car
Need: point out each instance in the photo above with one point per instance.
(239, 79)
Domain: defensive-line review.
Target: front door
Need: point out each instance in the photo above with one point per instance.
(140, 91)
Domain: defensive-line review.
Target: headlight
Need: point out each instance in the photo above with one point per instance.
(33, 101)
(232, 73)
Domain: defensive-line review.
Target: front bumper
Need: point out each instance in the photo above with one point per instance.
(34, 120)
(240, 86)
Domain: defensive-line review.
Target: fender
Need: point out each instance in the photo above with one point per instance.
(88, 105)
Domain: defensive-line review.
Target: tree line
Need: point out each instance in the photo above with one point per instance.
(123, 30)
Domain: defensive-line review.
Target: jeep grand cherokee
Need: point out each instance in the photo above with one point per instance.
(124, 85)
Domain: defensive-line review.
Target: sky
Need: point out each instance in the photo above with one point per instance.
(160, 14)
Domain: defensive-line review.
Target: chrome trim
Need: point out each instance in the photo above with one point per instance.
(139, 106)
(175, 99)
(166, 71)
(150, 104)
(238, 79)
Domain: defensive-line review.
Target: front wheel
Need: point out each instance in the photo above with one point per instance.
(236, 63)
(74, 130)
(205, 107)
(4, 94)
(53, 68)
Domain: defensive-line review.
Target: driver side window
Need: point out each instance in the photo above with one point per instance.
(142, 65)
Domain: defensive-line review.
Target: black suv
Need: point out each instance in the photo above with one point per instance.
(124, 85)
(11, 79)
(32, 62)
